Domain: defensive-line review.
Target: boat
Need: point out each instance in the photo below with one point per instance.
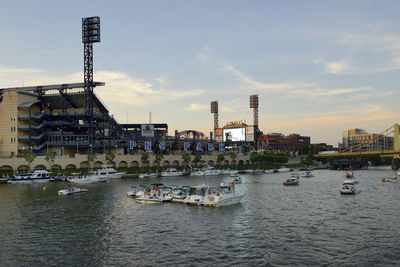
(170, 172)
(109, 172)
(237, 180)
(389, 179)
(349, 175)
(217, 196)
(307, 174)
(196, 172)
(398, 172)
(348, 189)
(229, 172)
(196, 195)
(211, 171)
(179, 194)
(291, 181)
(148, 175)
(100, 175)
(214, 196)
(283, 169)
(269, 171)
(258, 171)
(235, 175)
(72, 191)
(154, 194)
(37, 176)
(249, 171)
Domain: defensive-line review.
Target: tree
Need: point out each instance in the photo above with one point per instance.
(110, 157)
(91, 157)
(254, 157)
(197, 158)
(145, 158)
(159, 157)
(29, 156)
(233, 157)
(186, 157)
(220, 159)
(50, 156)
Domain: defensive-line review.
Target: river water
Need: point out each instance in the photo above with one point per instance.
(308, 224)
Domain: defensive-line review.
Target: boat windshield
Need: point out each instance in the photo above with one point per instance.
(197, 191)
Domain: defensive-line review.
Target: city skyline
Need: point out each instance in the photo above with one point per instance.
(319, 68)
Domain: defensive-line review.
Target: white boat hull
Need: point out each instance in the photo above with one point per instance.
(28, 181)
(223, 201)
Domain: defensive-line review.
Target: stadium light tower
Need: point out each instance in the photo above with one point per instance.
(254, 106)
(90, 35)
(214, 109)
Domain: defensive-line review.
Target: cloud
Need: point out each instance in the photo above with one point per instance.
(372, 51)
(196, 107)
(364, 114)
(119, 88)
(228, 67)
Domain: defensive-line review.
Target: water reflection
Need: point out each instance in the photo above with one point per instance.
(303, 225)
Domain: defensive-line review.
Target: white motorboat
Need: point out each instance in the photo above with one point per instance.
(307, 174)
(196, 172)
(100, 175)
(348, 189)
(214, 196)
(249, 171)
(398, 172)
(211, 171)
(196, 195)
(283, 169)
(37, 176)
(229, 172)
(258, 171)
(268, 171)
(154, 194)
(179, 194)
(109, 172)
(171, 172)
(148, 175)
(72, 191)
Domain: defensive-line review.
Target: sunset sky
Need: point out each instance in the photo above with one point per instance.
(318, 67)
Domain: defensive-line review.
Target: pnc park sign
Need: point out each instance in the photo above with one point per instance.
(186, 146)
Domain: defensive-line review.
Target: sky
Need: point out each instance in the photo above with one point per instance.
(319, 67)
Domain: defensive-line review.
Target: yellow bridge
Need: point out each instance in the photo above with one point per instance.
(363, 149)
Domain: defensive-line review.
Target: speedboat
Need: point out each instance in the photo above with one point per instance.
(148, 175)
(283, 169)
(348, 189)
(291, 181)
(249, 171)
(100, 175)
(389, 179)
(72, 191)
(196, 195)
(230, 172)
(258, 171)
(211, 171)
(196, 172)
(179, 194)
(37, 176)
(237, 180)
(307, 174)
(154, 194)
(268, 171)
(109, 172)
(349, 175)
(214, 196)
(170, 172)
(217, 196)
